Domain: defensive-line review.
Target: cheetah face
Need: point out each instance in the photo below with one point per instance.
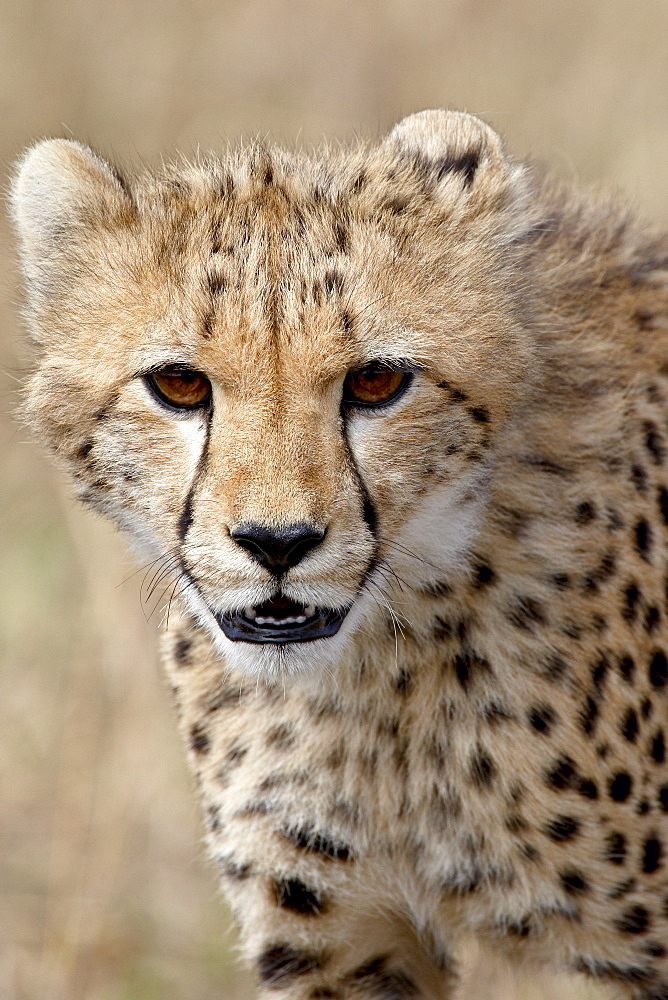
(281, 378)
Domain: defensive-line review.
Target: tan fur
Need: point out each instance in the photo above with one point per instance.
(481, 746)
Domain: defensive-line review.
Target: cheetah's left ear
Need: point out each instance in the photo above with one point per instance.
(452, 144)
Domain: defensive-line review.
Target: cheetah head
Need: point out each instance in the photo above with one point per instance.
(281, 374)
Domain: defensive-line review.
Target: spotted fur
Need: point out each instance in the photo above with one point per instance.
(481, 747)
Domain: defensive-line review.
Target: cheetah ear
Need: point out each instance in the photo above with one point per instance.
(450, 144)
(59, 187)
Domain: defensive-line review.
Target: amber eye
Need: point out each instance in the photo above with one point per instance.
(180, 387)
(374, 385)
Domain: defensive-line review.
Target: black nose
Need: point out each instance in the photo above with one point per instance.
(277, 548)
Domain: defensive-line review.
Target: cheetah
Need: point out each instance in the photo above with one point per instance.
(392, 422)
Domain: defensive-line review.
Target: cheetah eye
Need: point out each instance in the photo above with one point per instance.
(180, 387)
(377, 384)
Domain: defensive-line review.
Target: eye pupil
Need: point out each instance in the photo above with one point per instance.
(183, 388)
(374, 385)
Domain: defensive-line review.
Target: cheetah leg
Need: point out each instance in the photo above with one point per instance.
(334, 937)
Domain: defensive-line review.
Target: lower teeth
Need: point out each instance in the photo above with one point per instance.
(253, 616)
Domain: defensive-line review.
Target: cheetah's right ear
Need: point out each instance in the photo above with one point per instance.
(59, 187)
(452, 145)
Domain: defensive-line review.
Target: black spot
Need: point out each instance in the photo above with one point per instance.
(216, 283)
(370, 968)
(494, 712)
(402, 685)
(588, 789)
(291, 894)
(530, 852)
(574, 882)
(441, 588)
(84, 450)
(589, 715)
(630, 974)
(554, 668)
(633, 921)
(467, 665)
(639, 478)
(281, 963)
(482, 769)
(483, 575)
(662, 499)
(643, 538)
(627, 668)
(615, 848)
(233, 869)
(598, 622)
(318, 843)
(657, 747)
(622, 889)
(546, 465)
(515, 823)
(561, 581)
(599, 672)
(235, 753)
(654, 950)
(480, 414)
(619, 787)
(182, 648)
(347, 321)
(562, 773)
(333, 282)
(653, 442)
(631, 598)
(652, 618)
(341, 237)
(646, 708)
(652, 854)
(629, 725)
(658, 669)
(585, 512)
(467, 164)
(383, 983)
(542, 718)
(562, 828)
(281, 736)
(199, 741)
(663, 797)
(526, 612)
(643, 807)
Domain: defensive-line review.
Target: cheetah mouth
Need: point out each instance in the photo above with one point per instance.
(280, 620)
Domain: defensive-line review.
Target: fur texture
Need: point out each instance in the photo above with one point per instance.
(481, 746)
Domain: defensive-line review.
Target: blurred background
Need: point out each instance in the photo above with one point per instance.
(104, 890)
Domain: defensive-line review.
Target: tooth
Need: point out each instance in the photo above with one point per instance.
(309, 611)
(301, 619)
(250, 613)
(260, 621)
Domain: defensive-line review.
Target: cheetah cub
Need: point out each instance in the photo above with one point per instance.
(393, 420)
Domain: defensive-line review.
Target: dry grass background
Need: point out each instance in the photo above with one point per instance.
(103, 891)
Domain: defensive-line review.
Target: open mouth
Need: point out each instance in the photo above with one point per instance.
(281, 620)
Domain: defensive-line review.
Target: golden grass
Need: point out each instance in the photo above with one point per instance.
(103, 891)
